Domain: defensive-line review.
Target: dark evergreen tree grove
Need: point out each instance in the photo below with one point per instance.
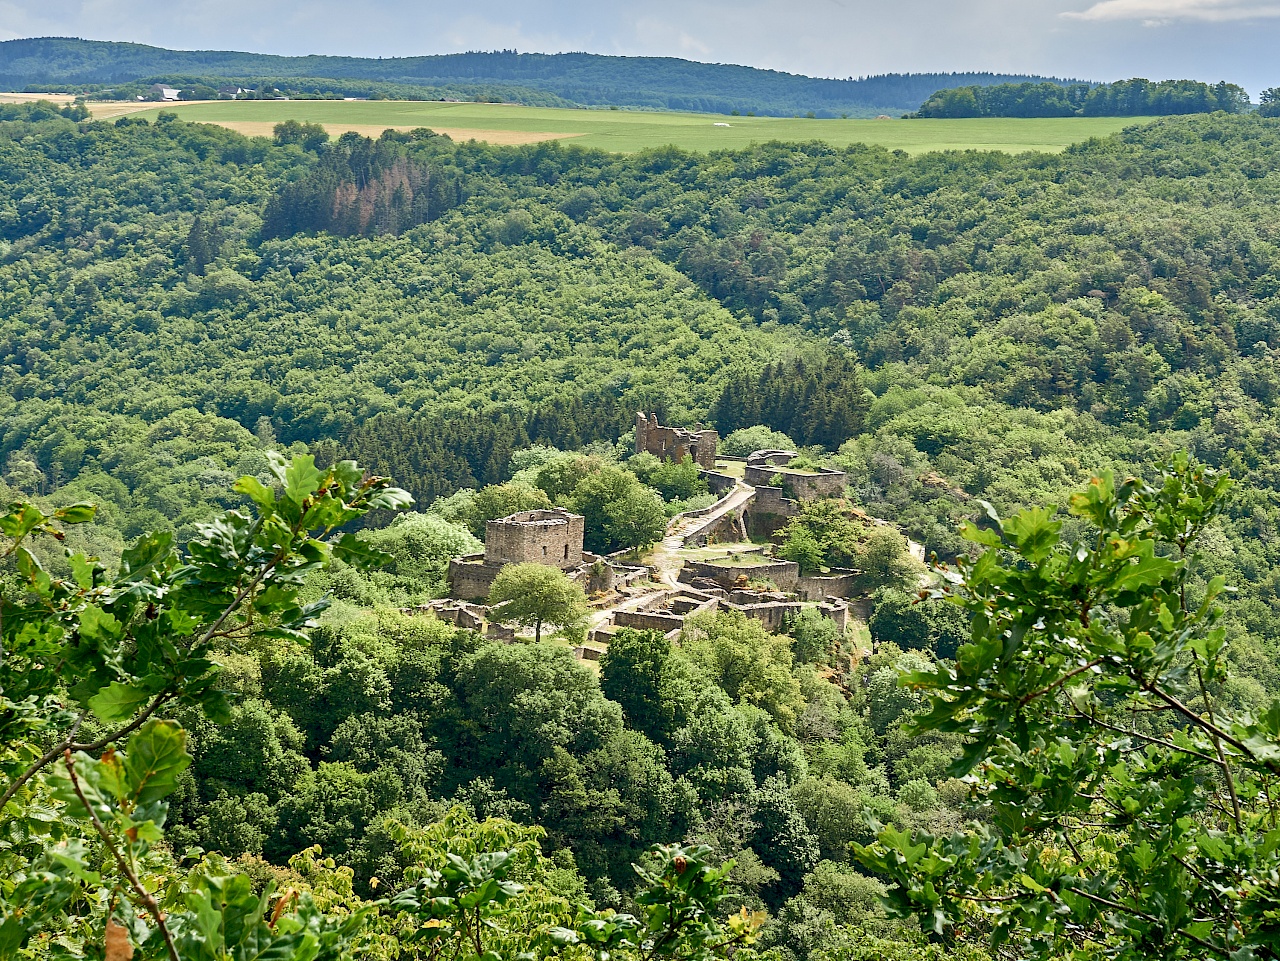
(202, 245)
(818, 402)
(362, 187)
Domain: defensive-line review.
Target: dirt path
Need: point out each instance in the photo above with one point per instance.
(665, 560)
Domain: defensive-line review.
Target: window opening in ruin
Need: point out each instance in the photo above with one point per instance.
(544, 550)
(566, 552)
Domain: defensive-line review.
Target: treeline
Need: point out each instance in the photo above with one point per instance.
(820, 402)
(209, 87)
(42, 110)
(817, 402)
(1126, 98)
(434, 455)
(362, 187)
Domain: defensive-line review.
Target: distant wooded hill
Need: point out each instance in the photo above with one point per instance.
(1126, 98)
(583, 78)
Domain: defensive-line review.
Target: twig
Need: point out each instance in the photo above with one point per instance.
(1066, 836)
(1149, 918)
(1149, 739)
(1059, 682)
(145, 896)
(1226, 768)
(1207, 884)
(1191, 715)
(68, 743)
(47, 758)
(129, 728)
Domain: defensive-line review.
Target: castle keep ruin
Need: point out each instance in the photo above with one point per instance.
(674, 443)
(551, 537)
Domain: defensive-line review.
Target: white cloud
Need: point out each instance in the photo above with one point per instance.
(1159, 12)
(662, 34)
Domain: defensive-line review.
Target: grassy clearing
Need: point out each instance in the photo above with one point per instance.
(58, 98)
(627, 131)
(860, 634)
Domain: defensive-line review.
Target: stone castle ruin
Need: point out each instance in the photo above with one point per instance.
(674, 443)
(551, 537)
(758, 495)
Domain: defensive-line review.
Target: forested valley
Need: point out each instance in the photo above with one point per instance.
(200, 332)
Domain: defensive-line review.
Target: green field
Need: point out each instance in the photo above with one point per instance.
(627, 131)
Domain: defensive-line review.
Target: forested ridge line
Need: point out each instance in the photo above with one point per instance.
(1124, 98)
(665, 83)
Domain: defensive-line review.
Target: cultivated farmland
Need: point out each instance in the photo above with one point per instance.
(627, 131)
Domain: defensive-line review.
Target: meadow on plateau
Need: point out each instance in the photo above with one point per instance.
(626, 131)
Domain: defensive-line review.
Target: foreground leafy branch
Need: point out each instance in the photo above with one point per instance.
(107, 652)
(83, 861)
(1120, 808)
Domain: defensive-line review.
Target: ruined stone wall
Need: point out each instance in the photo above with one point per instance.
(719, 484)
(457, 613)
(769, 512)
(810, 487)
(470, 577)
(647, 621)
(771, 458)
(765, 465)
(782, 574)
(674, 443)
(797, 485)
(551, 537)
(775, 614)
(820, 588)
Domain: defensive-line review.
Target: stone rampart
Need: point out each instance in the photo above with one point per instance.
(770, 469)
(470, 577)
(782, 574)
(798, 485)
(649, 621)
(775, 614)
(719, 484)
(769, 512)
(843, 585)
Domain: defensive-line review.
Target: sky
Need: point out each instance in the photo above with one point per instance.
(1209, 40)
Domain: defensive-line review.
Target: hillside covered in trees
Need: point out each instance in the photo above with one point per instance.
(664, 83)
(1125, 98)
(181, 306)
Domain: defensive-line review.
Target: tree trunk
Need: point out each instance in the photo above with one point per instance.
(537, 631)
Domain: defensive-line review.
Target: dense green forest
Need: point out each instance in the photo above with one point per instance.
(1125, 98)
(663, 83)
(182, 306)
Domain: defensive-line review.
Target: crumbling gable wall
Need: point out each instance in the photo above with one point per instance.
(674, 443)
